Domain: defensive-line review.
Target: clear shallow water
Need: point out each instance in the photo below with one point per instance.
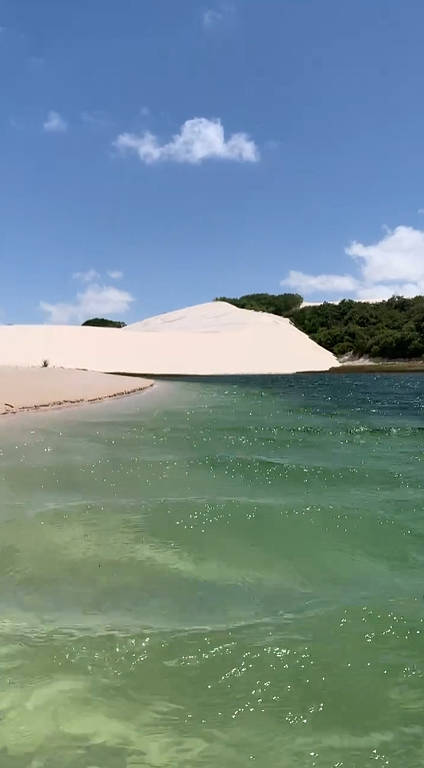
(216, 574)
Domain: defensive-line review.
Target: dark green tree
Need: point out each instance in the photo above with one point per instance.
(278, 304)
(102, 322)
(392, 329)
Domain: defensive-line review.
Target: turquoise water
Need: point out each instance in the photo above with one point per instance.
(218, 574)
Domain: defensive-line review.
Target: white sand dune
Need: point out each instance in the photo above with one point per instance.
(209, 339)
(29, 388)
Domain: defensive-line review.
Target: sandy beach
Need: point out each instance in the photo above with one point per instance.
(24, 389)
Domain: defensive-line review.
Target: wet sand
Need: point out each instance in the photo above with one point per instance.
(23, 389)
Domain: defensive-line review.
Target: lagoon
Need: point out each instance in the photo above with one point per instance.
(224, 572)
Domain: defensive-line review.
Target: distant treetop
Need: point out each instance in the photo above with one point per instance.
(277, 304)
(102, 322)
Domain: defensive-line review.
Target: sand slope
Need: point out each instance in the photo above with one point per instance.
(212, 317)
(28, 388)
(209, 339)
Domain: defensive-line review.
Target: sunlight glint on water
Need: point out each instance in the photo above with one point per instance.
(226, 573)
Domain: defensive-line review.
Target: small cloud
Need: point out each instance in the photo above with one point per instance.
(214, 17)
(199, 139)
(115, 274)
(96, 300)
(86, 277)
(211, 17)
(55, 123)
(421, 211)
(145, 111)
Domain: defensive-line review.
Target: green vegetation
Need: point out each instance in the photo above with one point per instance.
(102, 322)
(278, 304)
(392, 329)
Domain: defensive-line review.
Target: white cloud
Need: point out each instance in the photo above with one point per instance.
(392, 266)
(211, 17)
(55, 123)
(199, 139)
(398, 256)
(421, 211)
(96, 300)
(310, 284)
(86, 277)
(115, 274)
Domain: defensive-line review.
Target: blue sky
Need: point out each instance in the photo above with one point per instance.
(205, 149)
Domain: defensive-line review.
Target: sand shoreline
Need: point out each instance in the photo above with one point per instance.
(26, 390)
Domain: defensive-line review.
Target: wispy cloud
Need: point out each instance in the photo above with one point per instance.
(311, 284)
(392, 266)
(55, 123)
(86, 277)
(214, 17)
(16, 123)
(199, 139)
(36, 62)
(211, 17)
(115, 274)
(95, 119)
(421, 211)
(95, 300)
